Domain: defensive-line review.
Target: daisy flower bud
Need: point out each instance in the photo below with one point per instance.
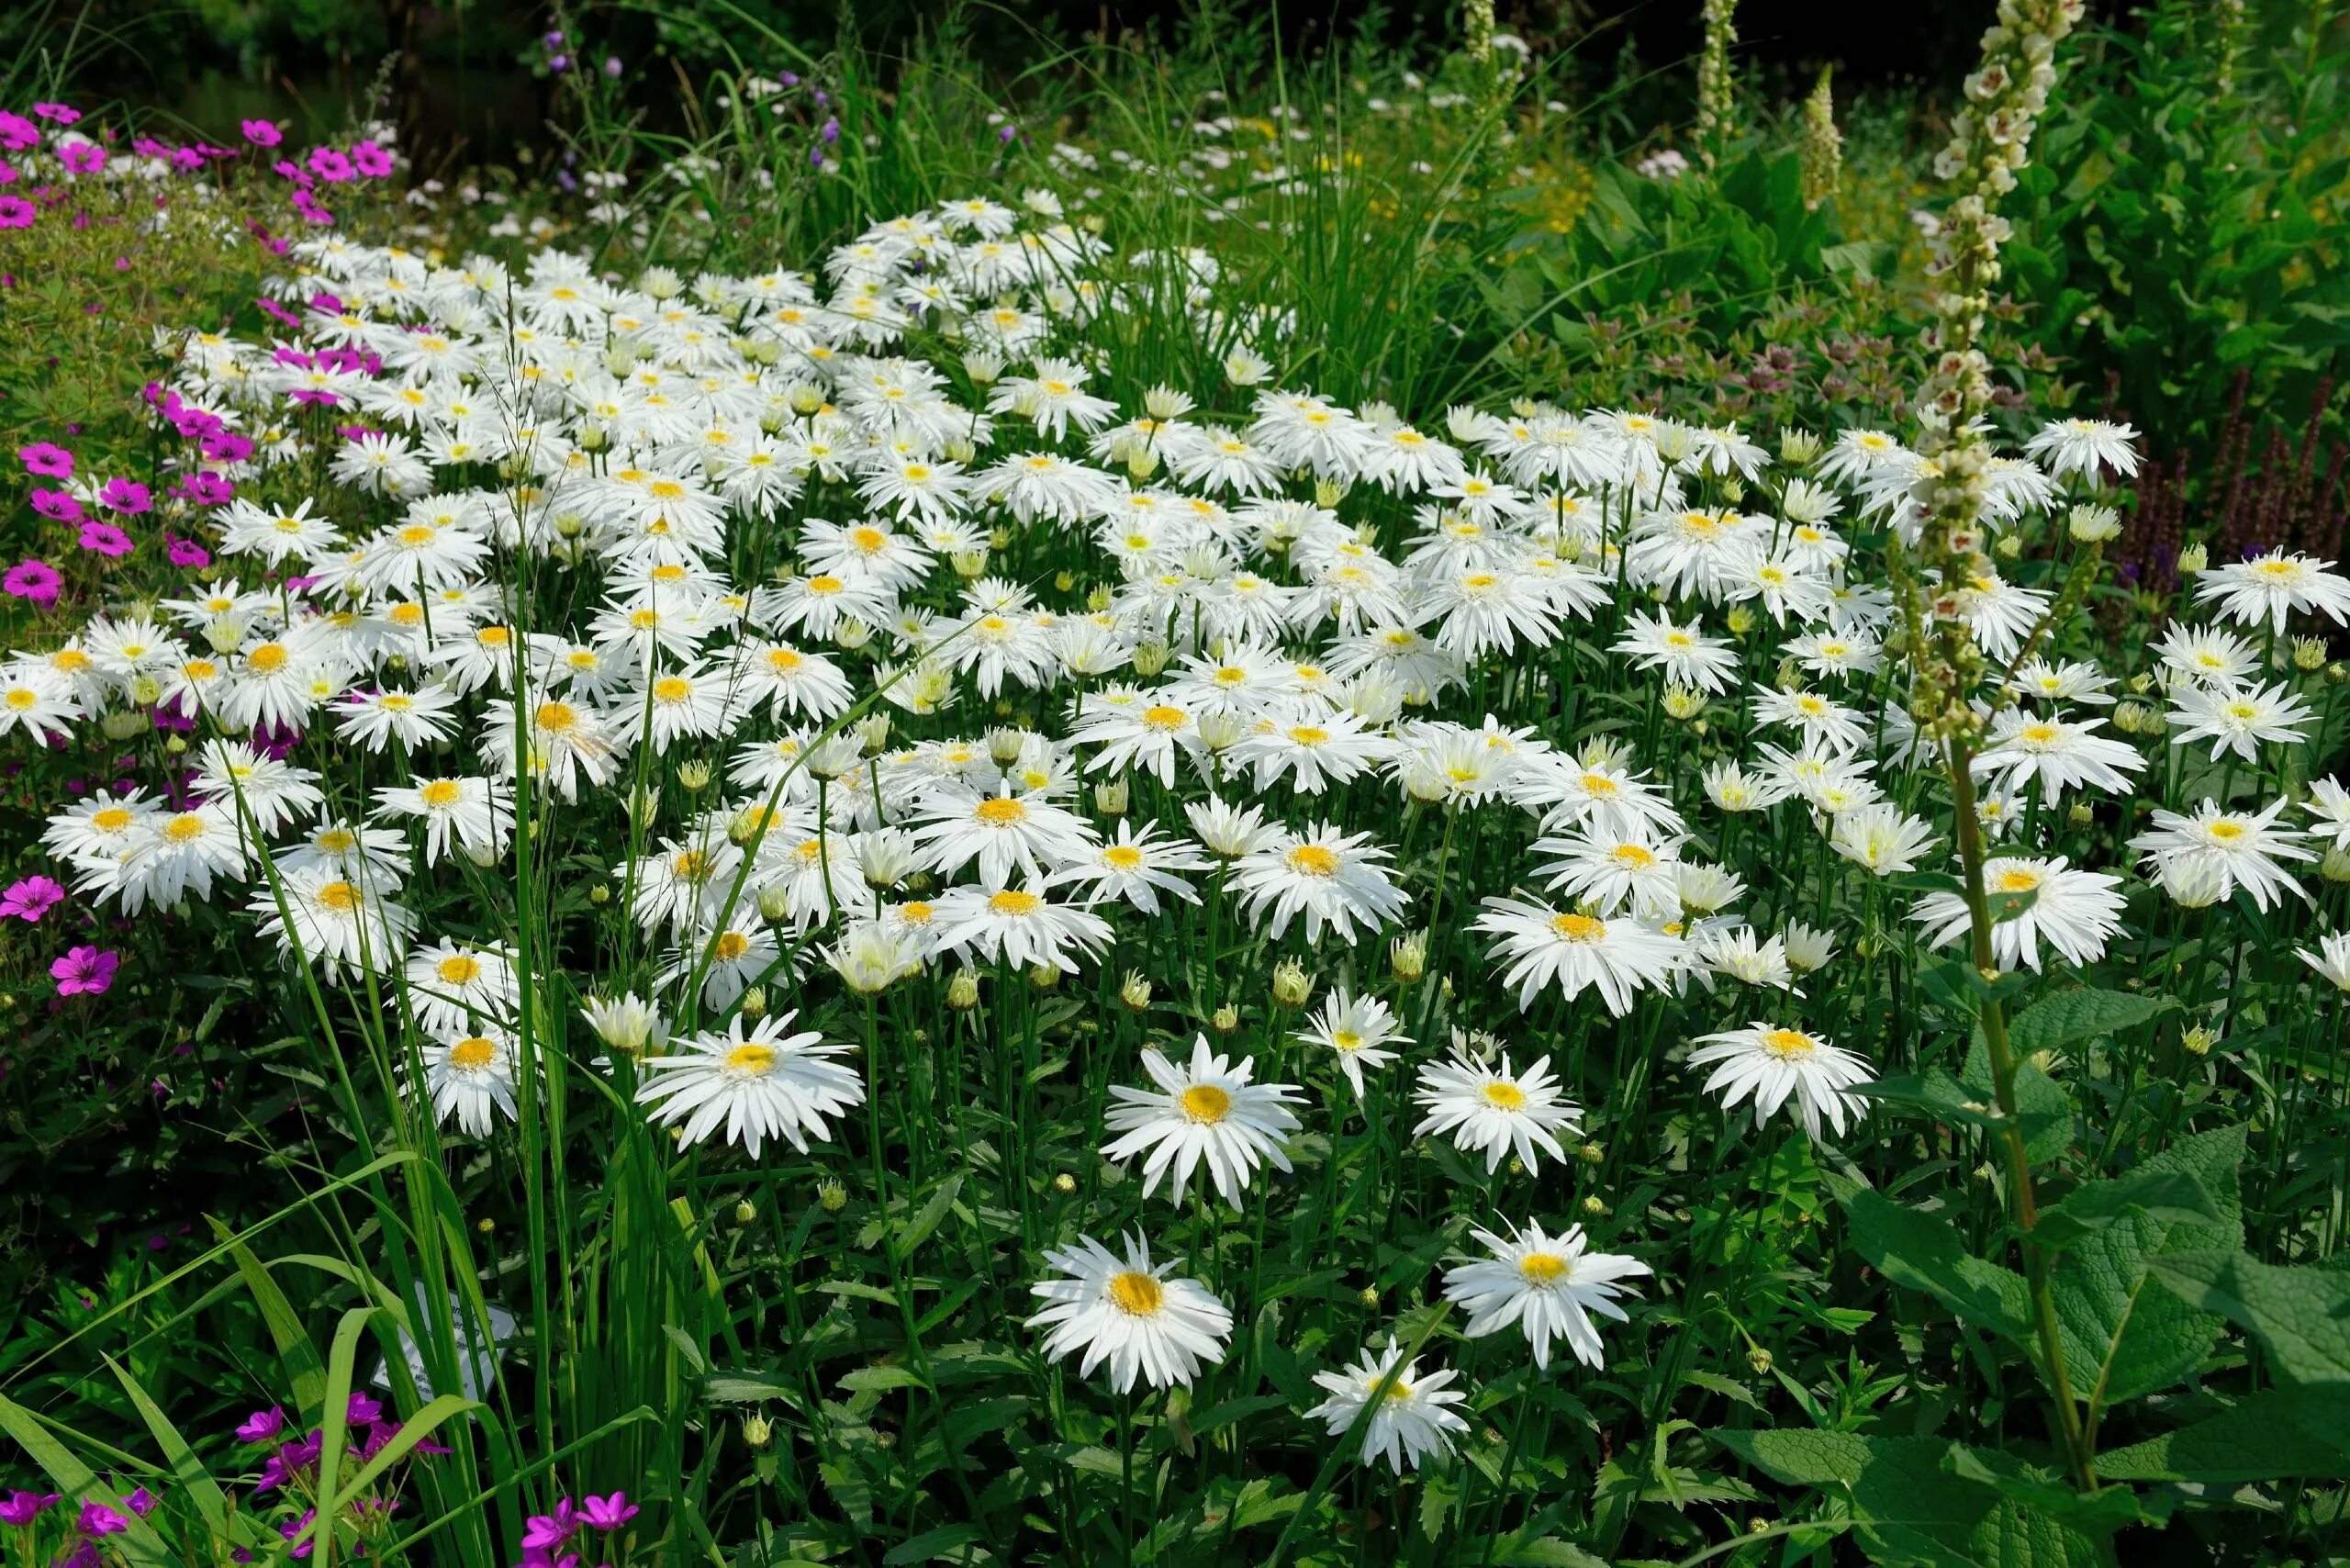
(1292, 984)
(963, 991)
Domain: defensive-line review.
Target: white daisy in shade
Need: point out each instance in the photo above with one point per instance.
(2061, 754)
(1542, 945)
(1547, 1285)
(1126, 1313)
(2329, 810)
(2271, 586)
(1203, 1111)
(2331, 960)
(1357, 1030)
(1333, 877)
(2240, 849)
(1777, 1066)
(756, 1086)
(2074, 910)
(2237, 718)
(1496, 1110)
(1016, 925)
(2083, 446)
(470, 1080)
(1413, 1417)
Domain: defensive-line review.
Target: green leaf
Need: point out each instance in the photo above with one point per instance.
(2174, 1197)
(2276, 1435)
(2301, 1316)
(186, 1469)
(1921, 1251)
(2070, 1015)
(955, 1543)
(918, 1228)
(305, 1375)
(2042, 1108)
(2123, 1338)
(880, 1379)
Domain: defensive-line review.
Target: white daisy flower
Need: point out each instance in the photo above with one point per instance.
(1547, 1285)
(765, 1084)
(1496, 1110)
(1773, 1065)
(1204, 1111)
(1412, 1420)
(1126, 1313)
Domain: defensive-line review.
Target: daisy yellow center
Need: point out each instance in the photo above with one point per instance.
(691, 867)
(824, 582)
(2039, 734)
(555, 717)
(644, 620)
(751, 1059)
(1124, 856)
(1000, 811)
(1308, 736)
(70, 661)
(1478, 582)
(1504, 1096)
(2226, 833)
(2243, 711)
(340, 896)
(1014, 901)
(334, 841)
(114, 819)
(185, 828)
(1346, 1040)
(1231, 675)
(393, 702)
(1205, 1104)
(671, 688)
(1578, 927)
(1542, 1268)
(472, 1054)
(1163, 718)
(23, 698)
(268, 659)
(205, 669)
(869, 539)
(732, 945)
(493, 636)
(914, 912)
(458, 968)
(417, 534)
(440, 792)
(1633, 858)
(2278, 569)
(1788, 1045)
(1135, 1294)
(1314, 860)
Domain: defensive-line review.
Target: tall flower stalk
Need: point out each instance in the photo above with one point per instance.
(1990, 140)
(1714, 84)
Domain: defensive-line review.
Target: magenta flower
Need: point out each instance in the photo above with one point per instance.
(188, 552)
(36, 581)
(48, 461)
(607, 1513)
(16, 212)
(56, 505)
(63, 114)
(7, 173)
(329, 164)
(262, 1426)
(105, 539)
(30, 898)
(260, 132)
(17, 132)
(23, 1507)
(125, 495)
(85, 971)
(99, 1519)
(83, 158)
(371, 160)
(545, 1532)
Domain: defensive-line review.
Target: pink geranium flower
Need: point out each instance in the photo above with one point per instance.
(125, 495)
(48, 462)
(260, 132)
(82, 157)
(34, 581)
(31, 898)
(105, 539)
(371, 160)
(85, 971)
(329, 164)
(56, 505)
(188, 552)
(63, 114)
(18, 133)
(16, 212)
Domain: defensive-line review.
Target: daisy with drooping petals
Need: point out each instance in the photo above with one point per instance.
(1334, 878)
(1774, 1066)
(765, 1084)
(2059, 754)
(1542, 945)
(2234, 849)
(470, 1081)
(1494, 1111)
(1127, 1313)
(2076, 910)
(1412, 1420)
(1204, 1111)
(1018, 927)
(1547, 1285)
(2237, 718)
(1357, 1030)
(2271, 586)
(2332, 960)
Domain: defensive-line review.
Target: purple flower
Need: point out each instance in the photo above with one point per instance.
(125, 495)
(260, 132)
(329, 164)
(48, 462)
(85, 971)
(830, 132)
(207, 489)
(372, 160)
(36, 581)
(141, 1501)
(292, 1527)
(262, 1426)
(30, 898)
(607, 1513)
(98, 1519)
(546, 1531)
(188, 552)
(24, 1507)
(105, 539)
(16, 212)
(613, 67)
(17, 132)
(363, 1411)
(83, 158)
(63, 114)
(57, 506)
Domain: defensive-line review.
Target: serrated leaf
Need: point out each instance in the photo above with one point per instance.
(1922, 1252)
(880, 1379)
(2083, 1014)
(2124, 1336)
(2172, 1196)
(2042, 1108)
(2278, 1434)
(2301, 1316)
